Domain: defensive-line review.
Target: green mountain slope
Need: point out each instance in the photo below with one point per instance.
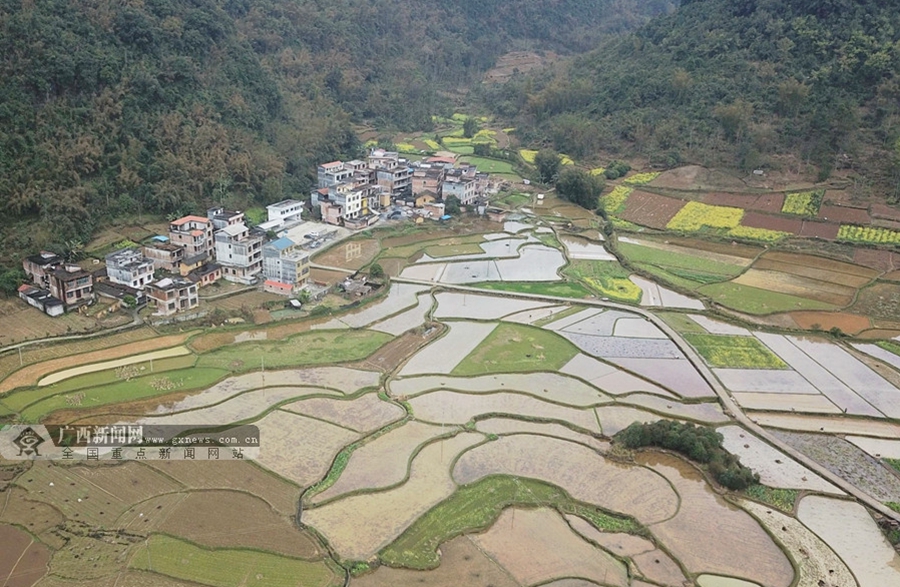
(114, 107)
(730, 82)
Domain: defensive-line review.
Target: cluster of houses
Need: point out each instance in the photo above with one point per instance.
(169, 270)
(198, 250)
(352, 193)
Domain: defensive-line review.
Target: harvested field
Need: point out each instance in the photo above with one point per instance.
(699, 412)
(829, 425)
(35, 516)
(580, 471)
(381, 462)
(880, 301)
(732, 253)
(280, 494)
(707, 531)
(720, 581)
(657, 566)
(412, 318)
(877, 447)
(770, 222)
(31, 374)
(718, 327)
(229, 568)
(763, 202)
(22, 561)
(327, 277)
(94, 495)
(352, 254)
(815, 267)
(609, 378)
(458, 408)
(364, 414)
(507, 426)
(786, 402)
(847, 528)
(848, 462)
(774, 467)
(813, 557)
(533, 316)
(467, 305)
(105, 554)
(678, 375)
(613, 419)
(393, 354)
(568, 319)
(650, 210)
(94, 367)
(544, 386)
(300, 449)
(462, 563)
(535, 546)
(445, 353)
(848, 323)
(618, 543)
(431, 234)
(821, 230)
(229, 519)
(359, 526)
(400, 297)
(246, 300)
(813, 289)
(341, 379)
(878, 259)
(845, 215)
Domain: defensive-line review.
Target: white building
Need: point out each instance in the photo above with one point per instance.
(173, 294)
(239, 252)
(129, 267)
(285, 211)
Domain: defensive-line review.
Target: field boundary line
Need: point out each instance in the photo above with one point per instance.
(137, 321)
(729, 405)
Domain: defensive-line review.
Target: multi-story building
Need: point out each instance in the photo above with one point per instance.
(220, 217)
(464, 188)
(72, 285)
(173, 294)
(129, 267)
(239, 252)
(41, 299)
(40, 266)
(285, 211)
(427, 178)
(285, 266)
(165, 256)
(195, 235)
(333, 173)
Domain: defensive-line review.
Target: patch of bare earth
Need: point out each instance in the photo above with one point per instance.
(650, 210)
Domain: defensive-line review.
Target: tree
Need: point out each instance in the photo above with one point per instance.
(547, 162)
(451, 205)
(376, 271)
(470, 127)
(580, 187)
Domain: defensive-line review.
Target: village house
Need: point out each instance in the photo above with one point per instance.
(206, 274)
(72, 285)
(285, 212)
(220, 217)
(239, 252)
(164, 256)
(173, 294)
(129, 267)
(427, 178)
(39, 267)
(41, 299)
(194, 234)
(285, 266)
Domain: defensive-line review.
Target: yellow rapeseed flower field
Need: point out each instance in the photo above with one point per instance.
(641, 178)
(695, 216)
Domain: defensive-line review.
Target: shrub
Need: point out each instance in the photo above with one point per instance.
(617, 169)
(701, 444)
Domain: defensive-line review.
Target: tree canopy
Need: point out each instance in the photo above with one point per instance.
(580, 187)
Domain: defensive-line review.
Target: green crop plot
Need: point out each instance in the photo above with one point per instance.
(229, 567)
(515, 348)
(308, 348)
(562, 290)
(607, 278)
(758, 301)
(476, 506)
(734, 352)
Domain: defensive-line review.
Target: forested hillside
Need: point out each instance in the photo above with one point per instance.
(731, 82)
(113, 107)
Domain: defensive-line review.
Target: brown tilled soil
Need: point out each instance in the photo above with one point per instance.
(391, 355)
(763, 203)
(769, 222)
(823, 230)
(884, 211)
(650, 210)
(880, 301)
(848, 323)
(822, 268)
(352, 254)
(877, 259)
(22, 561)
(515, 62)
(805, 287)
(844, 215)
